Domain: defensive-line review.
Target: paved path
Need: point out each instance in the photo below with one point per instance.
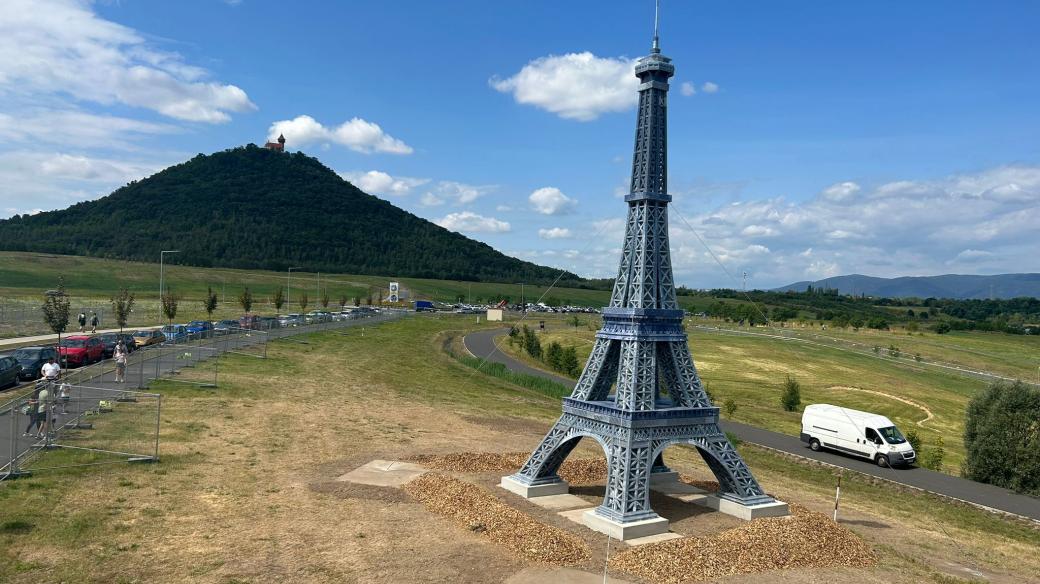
(481, 344)
(20, 341)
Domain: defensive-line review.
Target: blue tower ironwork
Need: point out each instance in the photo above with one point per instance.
(641, 353)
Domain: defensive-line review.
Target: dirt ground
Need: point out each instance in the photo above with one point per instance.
(247, 492)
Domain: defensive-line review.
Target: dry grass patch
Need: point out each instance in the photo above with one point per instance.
(476, 509)
(806, 539)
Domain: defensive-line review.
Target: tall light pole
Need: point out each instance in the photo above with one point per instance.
(162, 255)
(288, 283)
(523, 303)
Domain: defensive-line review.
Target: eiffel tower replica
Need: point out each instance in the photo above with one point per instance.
(642, 353)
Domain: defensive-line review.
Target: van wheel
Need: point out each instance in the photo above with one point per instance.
(814, 445)
(882, 460)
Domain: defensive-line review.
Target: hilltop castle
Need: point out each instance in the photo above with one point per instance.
(278, 146)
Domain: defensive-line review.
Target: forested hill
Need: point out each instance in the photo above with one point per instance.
(946, 286)
(250, 207)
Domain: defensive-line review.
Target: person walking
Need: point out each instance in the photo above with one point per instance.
(120, 358)
(93, 322)
(31, 411)
(82, 321)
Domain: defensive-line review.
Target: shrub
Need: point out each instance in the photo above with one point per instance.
(915, 440)
(569, 361)
(941, 329)
(791, 396)
(893, 351)
(553, 353)
(1001, 437)
(933, 457)
(730, 407)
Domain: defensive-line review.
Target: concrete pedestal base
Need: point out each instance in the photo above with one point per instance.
(527, 491)
(664, 477)
(746, 512)
(624, 531)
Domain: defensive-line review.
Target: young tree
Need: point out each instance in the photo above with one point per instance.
(569, 361)
(552, 355)
(303, 301)
(278, 298)
(210, 303)
(169, 306)
(245, 299)
(56, 309)
(342, 300)
(531, 344)
(791, 395)
(122, 306)
(914, 439)
(325, 298)
(942, 328)
(1001, 437)
(357, 301)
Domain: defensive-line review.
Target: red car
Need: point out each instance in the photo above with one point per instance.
(80, 350)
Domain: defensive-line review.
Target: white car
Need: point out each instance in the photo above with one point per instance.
(864, 434)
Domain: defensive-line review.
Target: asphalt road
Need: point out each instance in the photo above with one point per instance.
(481, 344)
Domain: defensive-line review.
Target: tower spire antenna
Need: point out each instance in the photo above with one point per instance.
(657, 14)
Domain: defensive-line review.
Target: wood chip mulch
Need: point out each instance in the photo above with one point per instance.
(576, 471)
(806, 539)
(472, 507)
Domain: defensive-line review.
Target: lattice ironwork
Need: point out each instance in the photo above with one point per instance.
(642, 350)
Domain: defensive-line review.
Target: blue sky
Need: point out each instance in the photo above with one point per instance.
(807, 139)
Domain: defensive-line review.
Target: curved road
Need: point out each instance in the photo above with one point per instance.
(481, 344)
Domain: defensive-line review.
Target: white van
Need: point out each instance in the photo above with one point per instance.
(854, 432)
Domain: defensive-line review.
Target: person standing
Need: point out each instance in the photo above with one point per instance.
(82, 321)
(31, 411)
(64, 396)
(93, 322)
(50, 371)
(43, 411)
(120, 357)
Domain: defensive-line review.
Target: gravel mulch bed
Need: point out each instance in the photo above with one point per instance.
(805, 540)
(474, 508)
(576, 471)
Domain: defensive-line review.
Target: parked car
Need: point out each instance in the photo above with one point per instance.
(200, 329)
(248, 321)
(145, 338)
(32, 360)
(871, 436)
(225, 327)
(175, 332)
(79, 350)
(109, 340)
(10, 371)
(266, 323)
(290, 320)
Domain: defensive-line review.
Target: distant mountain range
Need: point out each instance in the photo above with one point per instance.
(250, 207)
(945, 286)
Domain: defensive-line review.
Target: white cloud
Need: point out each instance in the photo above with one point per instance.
(555, 233)
(841, 191)
(709, 87)
(551, 201)
(467, 221)
(357, 134)
(430, 200)
(575, 86)
(375, 182)
(687, 88)
(461, 193)
(503, 208)
(983, 221)
(62, 48)
(70, 127)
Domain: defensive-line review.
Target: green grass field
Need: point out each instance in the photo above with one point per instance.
(236, 464)
(750, 371)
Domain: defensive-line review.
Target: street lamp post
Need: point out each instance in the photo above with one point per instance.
(523, 302)
(162, 255)
(288, 283)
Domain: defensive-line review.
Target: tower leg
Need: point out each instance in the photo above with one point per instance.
(537, 477)
(736, 483)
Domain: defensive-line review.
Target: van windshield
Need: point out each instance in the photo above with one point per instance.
(892, 435)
